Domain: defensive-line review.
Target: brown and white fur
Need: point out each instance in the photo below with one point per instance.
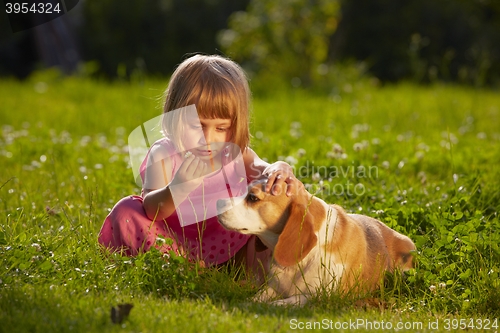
(316, 244)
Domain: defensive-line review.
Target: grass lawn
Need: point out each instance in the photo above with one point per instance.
(424, 160)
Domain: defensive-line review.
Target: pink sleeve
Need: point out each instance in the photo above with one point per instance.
(170, 148)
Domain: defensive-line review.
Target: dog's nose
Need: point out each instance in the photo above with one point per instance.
(221, 204)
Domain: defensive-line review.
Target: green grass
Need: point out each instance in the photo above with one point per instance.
(422, 159)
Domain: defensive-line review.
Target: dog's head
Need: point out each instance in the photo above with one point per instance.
(280, 221)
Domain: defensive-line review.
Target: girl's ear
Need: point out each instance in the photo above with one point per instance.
(298, 237)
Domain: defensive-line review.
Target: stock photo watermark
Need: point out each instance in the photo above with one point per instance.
(26, 14)
(336, 180)
(448, 324)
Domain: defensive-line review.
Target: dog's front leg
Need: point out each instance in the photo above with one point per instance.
(265, 295)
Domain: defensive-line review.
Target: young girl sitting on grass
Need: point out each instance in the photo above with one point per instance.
(203, 156)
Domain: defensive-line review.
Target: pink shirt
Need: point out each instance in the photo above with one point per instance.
(194, 223)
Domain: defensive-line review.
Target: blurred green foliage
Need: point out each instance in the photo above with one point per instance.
(284, 37)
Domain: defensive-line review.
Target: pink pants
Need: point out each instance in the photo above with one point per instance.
(128, 229)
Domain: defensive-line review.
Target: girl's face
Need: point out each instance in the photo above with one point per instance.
(207, 138)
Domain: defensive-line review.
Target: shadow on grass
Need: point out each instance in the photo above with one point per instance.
(35, 309)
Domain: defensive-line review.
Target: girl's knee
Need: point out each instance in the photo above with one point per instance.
(128, 207)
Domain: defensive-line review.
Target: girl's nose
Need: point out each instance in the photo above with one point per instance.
(205, 137)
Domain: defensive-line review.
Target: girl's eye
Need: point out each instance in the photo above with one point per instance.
(221, 129)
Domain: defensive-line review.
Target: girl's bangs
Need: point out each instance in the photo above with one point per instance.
(216, 100)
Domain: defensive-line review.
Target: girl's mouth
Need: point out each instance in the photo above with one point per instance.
(204, 152)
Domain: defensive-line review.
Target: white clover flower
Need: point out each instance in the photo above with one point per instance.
(295, 129)
(331, 154)
(419, 155)
(449, 136)
(85, 140)
(291, 160)
(316, 177)
(120, 130)
(361, 127)
(481, 136)
(445, 144)
(337, 148)
(422, 146)
(301, 152)
(422, 176)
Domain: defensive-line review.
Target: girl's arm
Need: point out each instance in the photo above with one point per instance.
(158, 204)
(276, 173)
(157, 189)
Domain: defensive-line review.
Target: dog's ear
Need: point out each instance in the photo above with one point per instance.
(298, 237)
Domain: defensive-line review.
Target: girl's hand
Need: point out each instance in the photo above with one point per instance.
(190, 174)
(279, 173)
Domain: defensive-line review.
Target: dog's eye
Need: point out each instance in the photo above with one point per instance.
(252, 197)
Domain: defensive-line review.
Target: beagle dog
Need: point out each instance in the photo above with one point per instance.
(315, 245)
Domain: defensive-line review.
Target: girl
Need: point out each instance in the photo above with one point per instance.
(203, 156)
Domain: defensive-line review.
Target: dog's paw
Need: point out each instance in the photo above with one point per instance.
(265, 296)
(281, 302)
(260, 298)
(295, 300)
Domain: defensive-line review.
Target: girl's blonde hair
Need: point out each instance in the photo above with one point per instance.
(218, 87)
